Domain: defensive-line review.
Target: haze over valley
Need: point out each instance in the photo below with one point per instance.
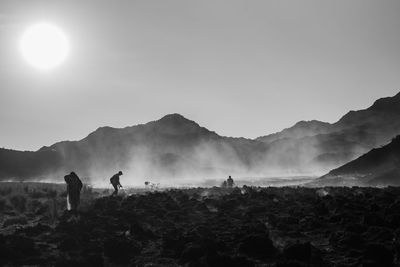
(176, 150)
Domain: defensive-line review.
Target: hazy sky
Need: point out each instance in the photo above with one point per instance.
(240, 68)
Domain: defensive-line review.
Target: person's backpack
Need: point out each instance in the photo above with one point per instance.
(114, 180)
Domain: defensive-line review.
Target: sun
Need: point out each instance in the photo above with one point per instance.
(44, 46)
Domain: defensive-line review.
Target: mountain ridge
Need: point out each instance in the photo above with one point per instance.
(379, 166)
(168, 146)
(174, 146)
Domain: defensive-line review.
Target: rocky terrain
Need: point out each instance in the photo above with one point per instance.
(246, 226)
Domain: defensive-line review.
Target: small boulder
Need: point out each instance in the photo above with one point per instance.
(120, 249)
(258, 246)
(377, 255)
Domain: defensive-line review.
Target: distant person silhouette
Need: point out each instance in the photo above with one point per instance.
(74, 187)
(114, 180)
(229, 182)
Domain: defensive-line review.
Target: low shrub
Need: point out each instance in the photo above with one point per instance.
(21, 220)
(5, 191)
(51, 193)
(3, 203)
(37, 194)
(19, 202)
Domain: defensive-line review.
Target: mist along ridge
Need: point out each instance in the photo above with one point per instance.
(174, 148)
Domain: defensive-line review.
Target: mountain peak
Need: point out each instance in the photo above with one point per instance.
(176, 120)
(310, 123)
(387, 104)
(176, 123)
(174, 117)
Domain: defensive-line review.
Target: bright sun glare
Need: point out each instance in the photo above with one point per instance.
(44, 46)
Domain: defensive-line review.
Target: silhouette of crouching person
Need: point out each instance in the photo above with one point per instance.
(74, 187)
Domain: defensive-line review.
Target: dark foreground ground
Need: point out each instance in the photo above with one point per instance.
(215, 227)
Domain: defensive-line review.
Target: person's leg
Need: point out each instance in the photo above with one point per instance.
(74, 206)
(115, 190)
(74, 200)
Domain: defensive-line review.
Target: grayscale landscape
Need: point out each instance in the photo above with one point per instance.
(200, 133)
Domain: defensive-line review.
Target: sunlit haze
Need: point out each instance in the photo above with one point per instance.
(240, 68)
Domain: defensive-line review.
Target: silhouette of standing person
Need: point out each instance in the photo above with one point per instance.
(230, 182)
(74, 187)
(114, 180)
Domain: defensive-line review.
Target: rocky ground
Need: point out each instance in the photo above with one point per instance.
(218, 227)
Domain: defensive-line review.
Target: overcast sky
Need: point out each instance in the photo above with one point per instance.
(240, 68)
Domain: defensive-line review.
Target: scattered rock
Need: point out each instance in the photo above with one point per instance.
(212, 227)
(19, 220)
(377, 255)
(257, 246)
(120, 249)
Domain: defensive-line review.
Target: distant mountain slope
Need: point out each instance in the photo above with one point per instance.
(172, 147)
(380, 166)
(380, 122)
(383, 113)
(22, 164)
(321, 146)
(299, 130)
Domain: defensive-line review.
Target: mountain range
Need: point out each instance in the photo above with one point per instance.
(175, 147)
(319, 146)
